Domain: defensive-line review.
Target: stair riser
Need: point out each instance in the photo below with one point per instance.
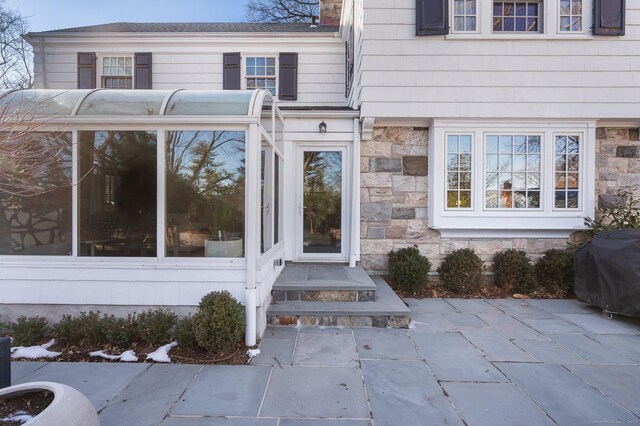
(323, 295)
(338, 321)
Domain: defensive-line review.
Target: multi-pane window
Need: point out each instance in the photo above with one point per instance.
(512, 171)
(567, 171)
(117, 72)
(570, 15)
(516, 16)
(464, 15)
(459, 171)
(260, 73)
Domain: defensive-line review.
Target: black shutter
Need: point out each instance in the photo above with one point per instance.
(288, 84)
(231, 71)
(143, 72)
(609, 17)
(86, 70)
(432, 17)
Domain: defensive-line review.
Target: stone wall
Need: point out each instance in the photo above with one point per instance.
(394, 201)
(330, 11)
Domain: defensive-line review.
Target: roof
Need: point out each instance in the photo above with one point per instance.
(195, 27)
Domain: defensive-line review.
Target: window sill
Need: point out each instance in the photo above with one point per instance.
(516, 36)
(505, 233)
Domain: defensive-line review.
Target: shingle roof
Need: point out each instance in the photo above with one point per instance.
(196, 27)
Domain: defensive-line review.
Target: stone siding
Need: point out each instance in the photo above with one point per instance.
(394, 201)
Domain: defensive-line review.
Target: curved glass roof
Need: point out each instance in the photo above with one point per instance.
(105, 102)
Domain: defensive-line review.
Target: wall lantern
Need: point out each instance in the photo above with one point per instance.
(323, 127)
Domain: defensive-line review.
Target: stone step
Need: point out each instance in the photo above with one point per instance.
(386, 311)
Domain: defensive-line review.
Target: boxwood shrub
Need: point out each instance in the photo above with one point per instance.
(219, 322)
(461, 271)
(554, 270)
(513, 271)
(408, 268)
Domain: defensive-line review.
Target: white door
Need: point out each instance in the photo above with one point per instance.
(322, 210)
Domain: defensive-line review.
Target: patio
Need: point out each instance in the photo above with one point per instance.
(484, 362)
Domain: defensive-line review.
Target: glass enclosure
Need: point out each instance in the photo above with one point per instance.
(172, 187)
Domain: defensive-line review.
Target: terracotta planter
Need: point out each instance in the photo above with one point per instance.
(69, 407)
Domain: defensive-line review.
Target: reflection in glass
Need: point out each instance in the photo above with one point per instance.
(117, 193)
(35, 202)
(459, 171)
(322, 191)
(276, 199)
(205, 194)
(567, 164)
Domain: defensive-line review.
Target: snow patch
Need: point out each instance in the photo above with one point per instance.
(162, 353)
(412, 325)
(127, 356)
(34, 352)
(19, 417)
(251, 353)
(298, 325)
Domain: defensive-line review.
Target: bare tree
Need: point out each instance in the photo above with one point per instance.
(15, 53)
(281, 10)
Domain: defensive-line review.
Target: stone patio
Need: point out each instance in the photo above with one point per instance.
(479, 362)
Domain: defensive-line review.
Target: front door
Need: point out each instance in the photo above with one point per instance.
(322, 213)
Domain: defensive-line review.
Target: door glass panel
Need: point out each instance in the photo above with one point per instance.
(322, 195)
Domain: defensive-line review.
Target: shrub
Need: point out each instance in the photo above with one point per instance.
(461, 270)
(555, 270)
(409, 269)
(156, 326)
(219, 322)
(86, 328)
(29, 331)
(623, 214)
(121, 332)
(184, 333)
(5, 329)
(513, 271)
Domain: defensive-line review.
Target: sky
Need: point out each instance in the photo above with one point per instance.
(47, 15)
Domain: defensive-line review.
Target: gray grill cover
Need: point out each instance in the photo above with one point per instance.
(607, 272)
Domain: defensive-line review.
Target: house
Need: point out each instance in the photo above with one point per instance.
(438, 123)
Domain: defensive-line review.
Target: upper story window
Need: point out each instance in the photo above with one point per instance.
(117, 72)
(517, 17)
(260, 73)
(464, 16)
(570, 15)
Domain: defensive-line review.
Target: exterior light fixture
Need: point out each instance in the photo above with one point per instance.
(323, 127)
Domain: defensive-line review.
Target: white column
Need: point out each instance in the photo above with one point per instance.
(252, 228)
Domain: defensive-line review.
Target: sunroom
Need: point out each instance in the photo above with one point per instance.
(140, 197)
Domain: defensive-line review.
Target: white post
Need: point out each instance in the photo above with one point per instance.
(355, 198)
(252, 235)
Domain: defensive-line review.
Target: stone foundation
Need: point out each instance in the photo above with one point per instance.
(394, 182)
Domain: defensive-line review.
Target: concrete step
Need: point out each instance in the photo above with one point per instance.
(386, 311)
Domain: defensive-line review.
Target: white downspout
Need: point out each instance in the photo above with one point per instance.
(355, 197)
(252, 234)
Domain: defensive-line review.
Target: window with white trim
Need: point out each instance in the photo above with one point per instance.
(510, 16)
(505, 179)
(117, 72)
(260, 73)
(464, 16)
(570, 15)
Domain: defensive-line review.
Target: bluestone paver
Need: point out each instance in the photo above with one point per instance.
(473, 306)
(19, 370)
(148, 399)
(331, 347)
(376, 343)
(430, 305)
(490, 404)
(628, 345)
(218, 421)
(619, 382)
(280, 333)
(519, 308)
(494, 345)
(510, 327)
(99, 382)
(552, 325)
(453, 358)
(224, 390)
(549, 352)
(431, 323)
(464, 320)
(320, 392)
(323, 422)
(274, 352)
(564, 306)
(590, 349)
(406, 393)
(595, 324)
(562, 395)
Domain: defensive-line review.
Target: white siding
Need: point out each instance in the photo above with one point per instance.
(541, 76)
(196, 62)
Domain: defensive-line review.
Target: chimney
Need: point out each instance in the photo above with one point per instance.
(330, 12)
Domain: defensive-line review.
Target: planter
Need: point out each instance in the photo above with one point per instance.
(216, 248)
(69, 407)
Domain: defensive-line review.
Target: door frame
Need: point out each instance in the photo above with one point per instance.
(345, 238)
